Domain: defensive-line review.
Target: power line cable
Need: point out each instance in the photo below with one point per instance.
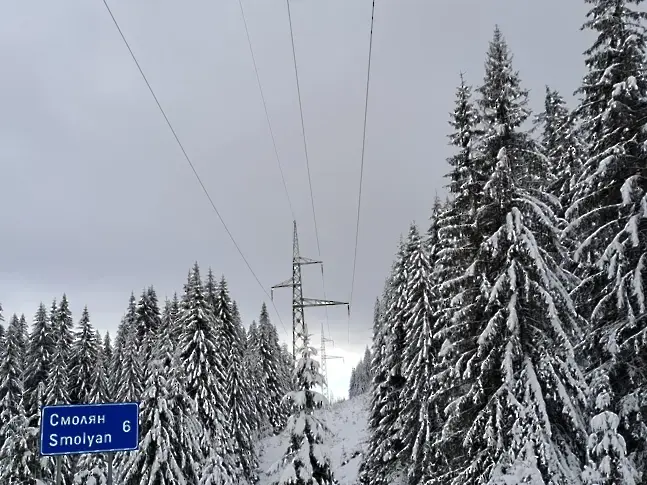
(188, 159)
(305, 150)
(267, 116)
(361, 169)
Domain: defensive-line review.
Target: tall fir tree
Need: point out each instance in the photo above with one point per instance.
(58, 389)
(239, 404)
(198, 350)
(420, 419)
(17, 459)
(93, 468)
(379, 465)
(305, 462)
(253, 372)
(11, 378)
(269, 355)
(607, 216)
(108, 359)
(561, 145)
(39, 357)
(116, 364)
(361, 375)
(64, 327)
(170, 445)
(467, 178)
(147, 324)
(42, 469)
(504, 109)
(24, 338)
(100, 388)
(84, 356)
(510, 419)
(58, 384)
(128, 373)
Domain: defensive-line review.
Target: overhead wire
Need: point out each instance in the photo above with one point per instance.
(307, 157)
(361, 169)
(267, 115)
(188, 159)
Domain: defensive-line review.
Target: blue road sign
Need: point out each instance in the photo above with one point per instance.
(89, 428)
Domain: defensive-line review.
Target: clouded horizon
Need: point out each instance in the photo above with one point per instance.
(97, 200)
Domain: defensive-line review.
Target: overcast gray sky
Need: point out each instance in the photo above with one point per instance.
(97, 200)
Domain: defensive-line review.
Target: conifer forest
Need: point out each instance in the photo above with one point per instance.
(509, 344)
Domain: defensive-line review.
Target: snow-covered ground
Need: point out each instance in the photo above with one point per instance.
(347, 435)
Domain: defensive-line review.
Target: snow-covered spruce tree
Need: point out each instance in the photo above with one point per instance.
(420, 420)
(305, 462)
(40, 350)
(355, 381)
(253, 372)
(64, 327)
(174, 312)
(458, 242)
(503, 105)
(523, 405)
(381, 464)
(235, 313)
(147, 324)
(272, 409)
(561, 145)
(19, 339)
(107, 349)
(11, 377)
(607, 216)
(354, 384)
(24, 338)
(239, 398)
(58, 388)
(371, 459)
(93, 468)
(84, 356)
(211, 289)
(108, 358)
(360, 380)
(17, 459)
(43, 468)
(99, 389)
(607, 450)
(170, 451)
(198, 353)
(127, 367)
(287, 368)
(467, 178)
(126, 325)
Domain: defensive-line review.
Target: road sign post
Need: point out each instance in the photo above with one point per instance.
(111, 457)
(58, 470)
(88, 428)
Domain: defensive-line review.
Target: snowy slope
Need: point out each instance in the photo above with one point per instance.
(347, 424)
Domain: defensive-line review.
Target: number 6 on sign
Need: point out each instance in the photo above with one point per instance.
(126, 427)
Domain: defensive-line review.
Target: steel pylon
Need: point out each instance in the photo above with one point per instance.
(298, 301)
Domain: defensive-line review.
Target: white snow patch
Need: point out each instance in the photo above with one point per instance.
(345, 441)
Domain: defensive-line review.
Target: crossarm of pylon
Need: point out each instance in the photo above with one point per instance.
(314, 302)
(286, 284)
(301, 260)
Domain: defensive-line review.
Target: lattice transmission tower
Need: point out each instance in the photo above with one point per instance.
(298, 301)
(325, 389)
